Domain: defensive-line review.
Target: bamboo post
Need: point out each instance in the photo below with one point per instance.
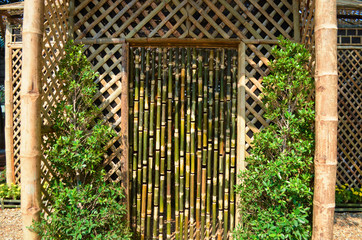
(326, 82)
(9, 124)
(240, 143)
(30, 114)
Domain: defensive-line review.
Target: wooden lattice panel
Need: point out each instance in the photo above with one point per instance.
(225, 19)
(54, 41)
(257, 61)
(108, 61)
(350, 118)
(16, 56)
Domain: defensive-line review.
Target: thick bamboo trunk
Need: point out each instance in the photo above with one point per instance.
(326, 79)
(30, 114)
(9, 104)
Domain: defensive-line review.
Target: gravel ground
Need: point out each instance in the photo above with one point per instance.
(347, 226)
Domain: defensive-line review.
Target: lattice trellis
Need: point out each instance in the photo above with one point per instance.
(350, 118)
(16, 54)
(257, 58)
(227, 19)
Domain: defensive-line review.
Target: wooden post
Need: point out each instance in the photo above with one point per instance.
(125, 125)
(9, 124)
(71, 19)
(30, 152)
(296, 20)
(240, 133)
(326, 83)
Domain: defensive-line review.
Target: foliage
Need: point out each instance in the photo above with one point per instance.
(83, 206)
(346, 194)
(2, 94)
(2, 177)
(12, 192)
(276, 188)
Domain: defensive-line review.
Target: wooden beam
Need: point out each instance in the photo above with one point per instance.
(30, 146)
(326, 118)
(296, 20)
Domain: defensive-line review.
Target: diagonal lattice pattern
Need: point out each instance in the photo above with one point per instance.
(350, 118)
(257, 61)
(16, 54)
(227, 19)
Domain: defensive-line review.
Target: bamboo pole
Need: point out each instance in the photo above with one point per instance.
(240, 135)
(182, 142)
(30, 114)
(326, 82)
(188, 142)
(9, 105)
(157, 148)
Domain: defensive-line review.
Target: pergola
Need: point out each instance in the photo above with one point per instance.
(222, 29)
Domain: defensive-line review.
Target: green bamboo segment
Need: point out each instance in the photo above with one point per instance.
(163, 145)
(182, 142)
(177, 144)
(157, 150)
(169, 145)
(199, 145)
(188, 142)
(150, 74)
(233, 143)
(221, 144)
(227, 145)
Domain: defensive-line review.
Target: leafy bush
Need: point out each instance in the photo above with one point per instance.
(82, 205)
(12, 192)
(276, 188)
(347, 194)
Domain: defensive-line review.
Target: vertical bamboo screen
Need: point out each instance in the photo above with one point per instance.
(350, 117)
(183, 142)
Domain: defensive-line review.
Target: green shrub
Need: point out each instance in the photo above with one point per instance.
(276, 188)
(12, 192)
(83, 206)
(347, 194)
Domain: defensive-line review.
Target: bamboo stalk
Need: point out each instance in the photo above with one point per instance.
(221, 144)
(188, 142)
(9, 108)
(30, 115)
(150, 76)
(169, 145)
(177, 144)
(157, 149)
(233, 142)
(199, 147)
(140, 189)
(193, 142)
(136, 173)
(182, 142)
(163, 145)
(227, 145)
(132, 150)
(326, 119)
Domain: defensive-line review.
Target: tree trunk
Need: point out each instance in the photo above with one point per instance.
(30, 114)
(326, 80)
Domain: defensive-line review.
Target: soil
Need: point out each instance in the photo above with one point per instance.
(347, 226)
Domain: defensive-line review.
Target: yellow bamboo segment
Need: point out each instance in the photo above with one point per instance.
(30, 114)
